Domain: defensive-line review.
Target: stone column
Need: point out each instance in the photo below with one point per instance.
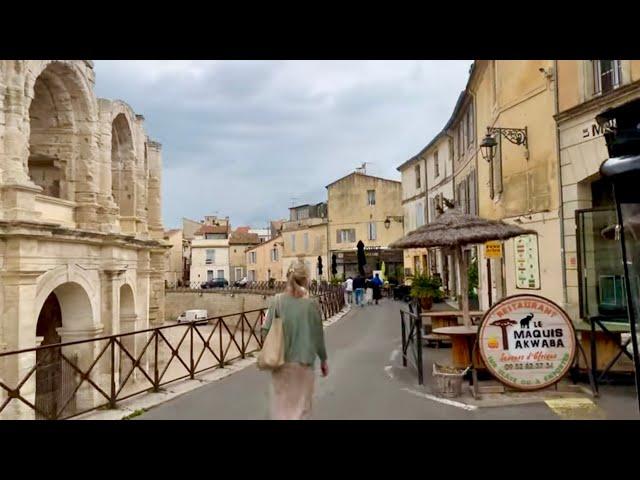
(19, 324)
(142, 178)
(158, 268)
(107, 209)
(87, 174)
(154, 199)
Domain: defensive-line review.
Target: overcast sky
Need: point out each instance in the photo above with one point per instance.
(249, 138)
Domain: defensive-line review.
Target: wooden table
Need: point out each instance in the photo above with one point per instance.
(442, 319)
(463, 339)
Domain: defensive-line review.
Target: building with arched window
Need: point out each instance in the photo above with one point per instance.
(81, 250)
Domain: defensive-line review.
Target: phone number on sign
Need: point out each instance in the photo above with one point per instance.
(528, 366)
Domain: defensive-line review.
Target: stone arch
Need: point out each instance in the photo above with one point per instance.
(76, 294)
(60, 125)
(123, 165)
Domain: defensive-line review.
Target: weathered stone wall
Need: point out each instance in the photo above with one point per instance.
(215, 303)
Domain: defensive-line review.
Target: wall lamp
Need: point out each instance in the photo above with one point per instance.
(387, 222)
(517, 136)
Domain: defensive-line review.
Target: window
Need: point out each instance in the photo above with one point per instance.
(209, 275)
(293, 242)
(274, 254)
(252, 275)
(606, 75)
(215, 236)
(460, 141)
(220, 274)
(436, 163)
(211, 257)
(305, 241)
(419, 215)
(252, 257)
(372, 231)
(371, 197)
(417, 176)
(346, 235)
(470, 132)
(238, 273)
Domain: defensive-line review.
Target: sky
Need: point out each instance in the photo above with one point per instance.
(249, 139)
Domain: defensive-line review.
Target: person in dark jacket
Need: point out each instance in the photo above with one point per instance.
(377, 285)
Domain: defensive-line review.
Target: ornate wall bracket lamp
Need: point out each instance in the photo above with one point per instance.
(517, 136)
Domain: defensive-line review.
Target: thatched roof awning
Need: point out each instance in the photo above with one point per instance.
(454, 228)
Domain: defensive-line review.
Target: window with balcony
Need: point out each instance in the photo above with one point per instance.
(606, 75)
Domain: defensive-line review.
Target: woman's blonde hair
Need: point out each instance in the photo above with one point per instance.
(297, 280)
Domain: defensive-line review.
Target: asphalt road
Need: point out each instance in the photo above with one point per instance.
(358, 387)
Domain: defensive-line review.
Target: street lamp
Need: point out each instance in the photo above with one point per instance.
(517, 136)
(387, 222)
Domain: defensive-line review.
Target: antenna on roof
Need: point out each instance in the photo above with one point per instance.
(363, 168)
(294, 200)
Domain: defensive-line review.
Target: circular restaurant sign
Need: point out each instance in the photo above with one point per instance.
(527, 342)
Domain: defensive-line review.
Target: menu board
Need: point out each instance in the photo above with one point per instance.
(527, 262)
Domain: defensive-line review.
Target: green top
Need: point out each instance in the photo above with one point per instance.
(302, 326)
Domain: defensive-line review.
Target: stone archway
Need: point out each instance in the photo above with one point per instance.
(123, 166)
(128, 322)
(58, 133)
(67, 307)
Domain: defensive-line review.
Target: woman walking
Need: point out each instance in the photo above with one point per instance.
(292, 384)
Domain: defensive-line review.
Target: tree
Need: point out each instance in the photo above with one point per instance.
(503, 323)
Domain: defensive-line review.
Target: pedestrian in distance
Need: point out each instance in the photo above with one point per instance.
(348, 288)
(368, 291)
(292, 384)
(358, 289)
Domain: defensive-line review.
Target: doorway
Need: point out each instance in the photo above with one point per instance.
(49, 360)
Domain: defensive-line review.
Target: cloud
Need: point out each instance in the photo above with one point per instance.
(242, 138)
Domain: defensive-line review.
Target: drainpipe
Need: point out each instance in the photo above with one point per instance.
(560, 197)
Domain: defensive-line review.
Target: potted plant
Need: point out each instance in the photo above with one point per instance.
(426, 289)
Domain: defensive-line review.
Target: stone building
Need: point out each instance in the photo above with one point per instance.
(239, 241)
(81, 250)
(305, 240)
(367, 208)
(264, 261)
(176, 262)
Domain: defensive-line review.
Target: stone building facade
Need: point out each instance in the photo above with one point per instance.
(81, 250)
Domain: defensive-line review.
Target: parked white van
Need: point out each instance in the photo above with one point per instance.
(191, 315)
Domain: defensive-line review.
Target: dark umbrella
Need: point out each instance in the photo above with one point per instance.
(362, 259)
(319, 265)
(334, 265)
(455, 229)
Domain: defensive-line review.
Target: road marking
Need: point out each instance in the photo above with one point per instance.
(575, 408)
(452, 403)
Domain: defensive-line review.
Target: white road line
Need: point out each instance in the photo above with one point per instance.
(452, 403)
(394, 355)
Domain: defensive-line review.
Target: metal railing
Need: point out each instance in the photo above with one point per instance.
(411, 325)
(69, 379)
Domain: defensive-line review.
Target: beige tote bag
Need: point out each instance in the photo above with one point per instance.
(271, 357)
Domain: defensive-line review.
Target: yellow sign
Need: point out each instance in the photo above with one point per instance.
(493, 250)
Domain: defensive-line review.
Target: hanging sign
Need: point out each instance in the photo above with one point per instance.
(527, 342)
(493, 250)
(527, 262)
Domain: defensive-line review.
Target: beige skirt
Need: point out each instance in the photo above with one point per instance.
(292, 392)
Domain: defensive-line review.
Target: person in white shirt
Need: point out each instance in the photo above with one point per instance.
(348, 287)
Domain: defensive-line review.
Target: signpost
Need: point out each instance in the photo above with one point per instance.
(527, 342)
(492, 249)
(527, 262)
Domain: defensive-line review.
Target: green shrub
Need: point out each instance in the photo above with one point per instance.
(424, 286)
